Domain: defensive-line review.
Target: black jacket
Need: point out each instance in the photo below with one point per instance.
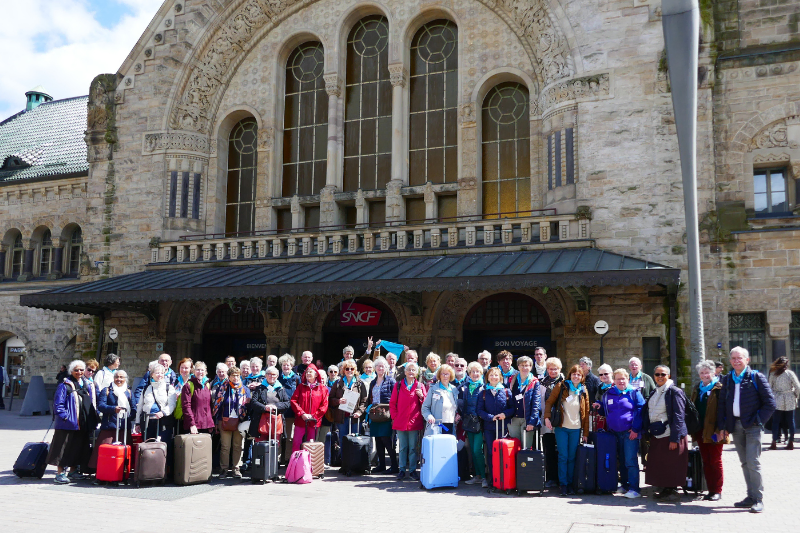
(756, 402)
(676, 413)
(259, 399)
(592, 384)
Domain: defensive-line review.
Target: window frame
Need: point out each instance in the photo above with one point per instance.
(45, 254)
(73, 255)
(17, 250)
(747, 336)
(236, 229)
(787, 200)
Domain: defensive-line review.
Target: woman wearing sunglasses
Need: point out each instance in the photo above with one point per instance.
(663, 422)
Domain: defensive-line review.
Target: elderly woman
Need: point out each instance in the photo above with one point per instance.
(469, 392)
(347, 422)
(185, 367)
(639, 380)
(221, 374)
(253, 381)
(333, 375)
(525, 390)
(268, 394)
(220, 378)
(290, 380)
(229, 407)
(196, 402)
(309, 403)
(553, 377)
(622, 407)
(91, 369)
(367, 373)
(605, 373)
(244, 367)
(156, 407)
(495, 403)
(380, 394)
(663, 422)
(441, 402)
(569, 402)
(786, 388)
(505, 359)
(114, 402)
(391, 361)
(706, 398)
(75, 420)
(400, 370)
(405, 407)
(428, 375)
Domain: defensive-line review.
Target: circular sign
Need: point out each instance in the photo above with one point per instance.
(601, 327)
(113, 333)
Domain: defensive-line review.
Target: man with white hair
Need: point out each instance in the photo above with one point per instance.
(591, 381)
(639, 380)
(170, 377)
(305, 359)
(460, 366)
(745, 402)
(485, 360)
(272, 360)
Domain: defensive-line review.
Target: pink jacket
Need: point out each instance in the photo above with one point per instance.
(405, 407)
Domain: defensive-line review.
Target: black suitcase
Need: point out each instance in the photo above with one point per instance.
(550, 457)
(584, 478)
(355, 454)
(264, 465)
(530, 466)
(32, 460)
(463, 461)
(695, 477)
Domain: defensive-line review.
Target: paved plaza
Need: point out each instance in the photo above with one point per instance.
(378, 503)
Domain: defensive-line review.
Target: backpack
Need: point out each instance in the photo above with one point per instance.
(692, 418)
(299, 468)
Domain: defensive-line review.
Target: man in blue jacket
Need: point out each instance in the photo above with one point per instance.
(745, 403)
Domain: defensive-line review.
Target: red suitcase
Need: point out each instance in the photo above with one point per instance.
(504, 462)
(114, 460)
(136, 440)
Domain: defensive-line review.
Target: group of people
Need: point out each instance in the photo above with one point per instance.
(398, 403)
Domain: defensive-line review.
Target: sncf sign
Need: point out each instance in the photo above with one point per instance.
(354, 314)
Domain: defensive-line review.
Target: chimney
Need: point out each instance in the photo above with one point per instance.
(36, 96)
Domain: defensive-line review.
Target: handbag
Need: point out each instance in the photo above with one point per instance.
(266, 422)
(472, 423)
(380, 413)
(230, 423)
(657, 428)
(555, 412)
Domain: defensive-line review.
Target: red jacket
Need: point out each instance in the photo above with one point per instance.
(306, 400)
(406, 407)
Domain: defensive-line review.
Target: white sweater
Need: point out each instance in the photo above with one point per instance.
(162, 393)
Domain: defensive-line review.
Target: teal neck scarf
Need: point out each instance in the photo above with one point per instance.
(573, 388)
(705, 389)
(499, 386)
(349, 383)
(524, 385)
(277, 386)
(507, 374)
(474, 384)
(738, 379)
(637, 377)
(409, 385)
(605, 386)
(290, 375)
(366, 377)
(627, 390)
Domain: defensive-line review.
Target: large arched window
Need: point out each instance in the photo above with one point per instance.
(305, 124)
(17, 257)
(434, 99)
(368, 106)
(46, 254)
(242, 160)
(505, 142)
(74, 252)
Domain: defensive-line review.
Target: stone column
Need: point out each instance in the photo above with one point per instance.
(2, 261)
(395, 207)
(58, 258)
(27, 264)
(328, 214)
(468, 194)
(778, 322)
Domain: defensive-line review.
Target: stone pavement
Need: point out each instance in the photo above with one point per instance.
(338, 504)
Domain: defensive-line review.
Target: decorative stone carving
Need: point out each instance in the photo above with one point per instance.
(467, 114)
(447, 320)
(333, 85)
(173, 140)
(266, 138)
(188, 317)
(575, 90)
(398, 75)
(774, 136)
(772, 157)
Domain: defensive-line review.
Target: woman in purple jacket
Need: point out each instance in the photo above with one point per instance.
(622, 407)
(75, 421)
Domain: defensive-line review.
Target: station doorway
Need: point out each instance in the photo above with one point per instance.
(240, 334)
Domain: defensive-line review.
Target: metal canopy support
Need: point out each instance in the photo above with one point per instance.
(681, 24)
(580, 295)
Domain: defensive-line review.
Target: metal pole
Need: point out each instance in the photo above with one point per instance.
(602, 352)
(681, 24)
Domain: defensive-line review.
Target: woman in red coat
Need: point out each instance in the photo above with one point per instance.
(309, 403)
(406, 411)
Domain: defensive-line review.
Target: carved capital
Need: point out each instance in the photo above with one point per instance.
(398, 75)
(175, 140)
(333, 85)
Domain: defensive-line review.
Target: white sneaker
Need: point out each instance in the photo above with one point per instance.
(632, 494)
(472, 481)
(484, 484)
(621, 490)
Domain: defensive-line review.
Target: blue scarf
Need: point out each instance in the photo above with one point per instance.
(499, 386)
(705, 389)
(256, 376)
(473, 384)
(391, 347)
(507, 374)
(637, 377)
(272, 387)
(216, 381)
(738, 379)
(365, 377)
(408, 386)
(290, 375)
(180, 380)
(349, 384)
(573, 388)
(524, 386)
(445, 388)
(204, 381)
(626, 391)
(606, 386)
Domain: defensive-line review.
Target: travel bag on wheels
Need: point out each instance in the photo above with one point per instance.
(114, 460)
(695, 477)
(32, 460)
(192, 459)
(606, 451)
(504, 462)
(316, 452)
(355, 453)
(151, 460)
(530, 466)
(439, 461)
(584, 477)
(264, 465)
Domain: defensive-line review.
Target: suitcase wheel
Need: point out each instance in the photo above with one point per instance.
(322, 476)
(508, 492)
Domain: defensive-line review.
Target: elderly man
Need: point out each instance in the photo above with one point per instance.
(104, 378)
(745, 403)
(450, 359)
(170, 377)
(485, 360)
(411, 357)
(591, 381)
(460, 366)
(349, 353)
(639, 380)
(272, 360)
(539, 366)
(305, 359)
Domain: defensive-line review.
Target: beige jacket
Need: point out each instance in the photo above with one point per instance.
(786, 389)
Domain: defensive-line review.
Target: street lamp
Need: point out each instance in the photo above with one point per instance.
(681, 24)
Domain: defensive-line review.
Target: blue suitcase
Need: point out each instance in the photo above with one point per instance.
(32, 461)
(439, 462)
(606, 446)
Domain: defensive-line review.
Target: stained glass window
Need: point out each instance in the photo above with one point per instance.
(305, 124)
(368, 107)
(506, 150)
(434, 99)
(242, 156)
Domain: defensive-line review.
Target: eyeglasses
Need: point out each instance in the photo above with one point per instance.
(89, 370)
(660, 375)
(606, 374)
(459, 366)
(79, 370)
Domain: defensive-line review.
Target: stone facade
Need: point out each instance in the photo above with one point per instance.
(594, 68)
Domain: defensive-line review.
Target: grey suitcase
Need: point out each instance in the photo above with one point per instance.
(192, 459)
(151, 460)
(265, 456)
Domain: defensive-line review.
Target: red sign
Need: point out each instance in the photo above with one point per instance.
(359, 315)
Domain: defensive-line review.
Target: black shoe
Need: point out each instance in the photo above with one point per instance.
(414, 476)
(744, 504)
(342, 471)
(401, 476)
(570, 490)
(379, 470)
(757, 507)
(563, 490)
(393, 471)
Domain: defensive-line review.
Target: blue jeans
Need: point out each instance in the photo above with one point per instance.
(567, 446)
(748, 446)
(408, 450)
(628, 459)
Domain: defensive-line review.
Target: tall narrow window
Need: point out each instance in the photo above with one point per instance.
(75, 248)
(46, 254)
(794, 332)
(368, 107)
(434, 96)
(748, 330)
(769, 192)
(240, 208)
(305, 124)
(17, 257)
(506, 150)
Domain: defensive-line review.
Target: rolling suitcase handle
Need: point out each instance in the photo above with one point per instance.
(274, 428)
(497, 429)
(316, 429)
(127, 458)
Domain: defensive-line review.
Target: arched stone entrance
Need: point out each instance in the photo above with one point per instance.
(507, 321)
(351, 323)
(233, 330)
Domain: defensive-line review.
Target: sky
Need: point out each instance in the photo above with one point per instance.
(63, 44)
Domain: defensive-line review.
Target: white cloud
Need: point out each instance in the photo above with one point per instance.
(61, 44)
